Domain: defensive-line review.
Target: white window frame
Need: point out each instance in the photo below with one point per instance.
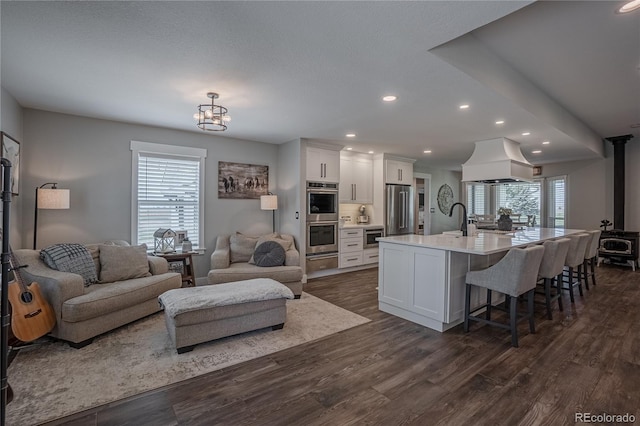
(488, 192)
(137, 148)
(543, 220)
(545, 194)
(540, 216)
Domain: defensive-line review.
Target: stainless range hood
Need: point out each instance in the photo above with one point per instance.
(497, 161)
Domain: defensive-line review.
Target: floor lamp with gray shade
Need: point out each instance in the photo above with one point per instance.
(48, 199)
(270, 202)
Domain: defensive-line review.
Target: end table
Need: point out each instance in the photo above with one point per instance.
(188, 278)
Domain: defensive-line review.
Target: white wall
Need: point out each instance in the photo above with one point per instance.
(290, 214)
(439, 221)
(589, 184)
(93, 159)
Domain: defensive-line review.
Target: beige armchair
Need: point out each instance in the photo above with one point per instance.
(232, 261)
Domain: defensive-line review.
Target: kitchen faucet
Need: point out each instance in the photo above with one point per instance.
(463, 227)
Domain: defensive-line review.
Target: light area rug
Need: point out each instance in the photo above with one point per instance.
(52, 380)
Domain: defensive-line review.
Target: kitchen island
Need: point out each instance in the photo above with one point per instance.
(421, 278)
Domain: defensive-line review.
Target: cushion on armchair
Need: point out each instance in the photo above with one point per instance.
(269, 253)
(241, 247)
(286, 244)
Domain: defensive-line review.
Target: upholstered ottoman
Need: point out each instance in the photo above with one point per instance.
(200, 314)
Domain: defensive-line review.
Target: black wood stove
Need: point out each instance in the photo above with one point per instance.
(618, 245)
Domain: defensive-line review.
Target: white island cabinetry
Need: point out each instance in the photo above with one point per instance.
(421, 278)
(404, 266)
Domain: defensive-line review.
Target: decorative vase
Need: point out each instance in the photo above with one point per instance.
(186, 246)
(505, 223)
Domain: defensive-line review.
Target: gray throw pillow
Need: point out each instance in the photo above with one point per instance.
(119, 263)
(74, 258)
(286, 244)
(269, 253)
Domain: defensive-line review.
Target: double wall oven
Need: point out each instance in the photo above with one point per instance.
(322, 218)
(322, 225)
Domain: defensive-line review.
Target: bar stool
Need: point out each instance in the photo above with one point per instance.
(551, 267)
(573, 263)
(515, 274)
(591, 258)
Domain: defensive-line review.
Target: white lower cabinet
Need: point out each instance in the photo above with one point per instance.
(351, 243)
(427, 285)
(350, 259)
(352, 251)
(370, 255)
(406, 277)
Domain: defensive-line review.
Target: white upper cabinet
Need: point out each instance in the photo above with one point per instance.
(323, 165)
(356, 179)
(399, 172)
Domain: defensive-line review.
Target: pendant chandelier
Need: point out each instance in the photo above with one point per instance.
(212, 117)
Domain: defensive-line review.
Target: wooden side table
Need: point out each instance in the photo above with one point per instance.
(188, 278)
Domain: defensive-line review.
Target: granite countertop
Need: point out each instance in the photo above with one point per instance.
(483, 243)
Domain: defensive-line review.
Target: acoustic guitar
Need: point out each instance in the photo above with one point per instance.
(31, 315)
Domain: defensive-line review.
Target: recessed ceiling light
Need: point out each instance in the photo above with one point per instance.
(546, 143)
(526, 133)
(500, 122)
(537, 151)
(389, 98)
(350, 135)
(464, 106)
(370, 152)
(349, 148)
(427, 151)
(629, 6)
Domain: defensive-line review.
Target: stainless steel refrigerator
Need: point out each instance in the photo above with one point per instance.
(399, 217)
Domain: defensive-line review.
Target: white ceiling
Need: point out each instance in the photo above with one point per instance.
(318, 70)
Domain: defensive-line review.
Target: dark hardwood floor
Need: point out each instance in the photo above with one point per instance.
(391, 371)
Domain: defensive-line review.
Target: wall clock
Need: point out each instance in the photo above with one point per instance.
(445, 198)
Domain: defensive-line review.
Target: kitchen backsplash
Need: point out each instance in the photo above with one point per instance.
(353, 211)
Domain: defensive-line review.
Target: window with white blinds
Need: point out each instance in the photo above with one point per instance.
(167, 191)
(522, 198)
(556, 202)
(477, 194)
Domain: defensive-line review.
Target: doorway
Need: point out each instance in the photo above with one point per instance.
(422, 183)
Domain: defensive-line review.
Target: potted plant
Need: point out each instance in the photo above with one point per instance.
(504, 221)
